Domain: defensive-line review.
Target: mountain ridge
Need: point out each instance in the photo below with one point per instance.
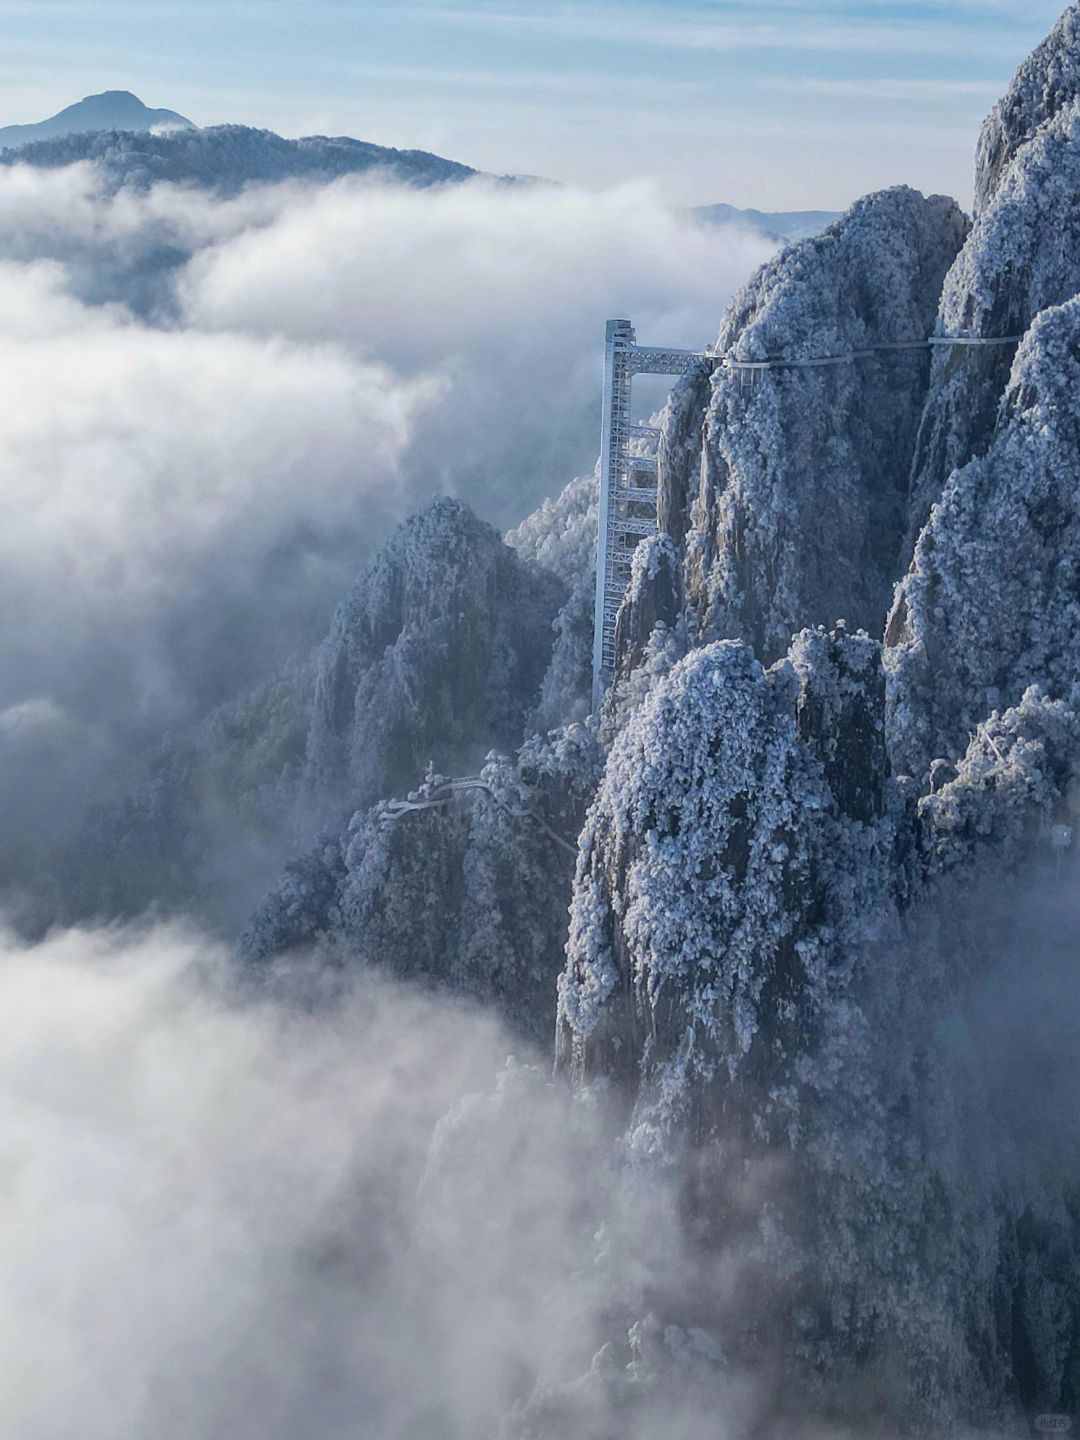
(779, 225)
(107, 110)
(99, 127)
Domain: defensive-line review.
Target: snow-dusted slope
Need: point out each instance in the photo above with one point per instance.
(772, 943)
(1045, 83)
(821, 950)
(991, 604)
(689, 869)
(791, 493)
(469, 895)
(436, 656)
(790, 955)
(561, 536)
(1023, 255)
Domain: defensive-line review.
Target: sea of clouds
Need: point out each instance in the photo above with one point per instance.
(329, 1206)
(213, 409)
(287, 1212)
(353, 1213)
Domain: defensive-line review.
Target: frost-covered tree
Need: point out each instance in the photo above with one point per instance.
(1022, 256)
(561, 536)
(819, 887)
(691, 894)
(772, 945)
(1047, 81)
(437, 655)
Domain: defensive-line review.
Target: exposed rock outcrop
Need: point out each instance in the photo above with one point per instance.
(796, 480)
(1047, 81)
(437, 656)
(654, 596)
(991, 604)
(790, 957)
(561, 536)
(1022, 256)
(697, 958)
(470, 895)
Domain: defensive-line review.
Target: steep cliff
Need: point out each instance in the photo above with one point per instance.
(821, 941)
(1045, 83)
(1023, 255)
(813, 900)
(792, 967)
(991, 604)
(561, 536)
(469, 894)
(790, 486)
(436, 656)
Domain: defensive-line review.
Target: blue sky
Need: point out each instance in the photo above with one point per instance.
(774, 103)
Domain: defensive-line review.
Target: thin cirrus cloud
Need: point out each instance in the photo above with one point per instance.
(735, 27)
(699, 93)
(896, 88)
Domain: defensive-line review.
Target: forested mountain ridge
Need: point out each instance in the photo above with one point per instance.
(780, 225)
(226, 158)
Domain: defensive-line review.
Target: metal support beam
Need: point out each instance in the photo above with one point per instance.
(620, 524)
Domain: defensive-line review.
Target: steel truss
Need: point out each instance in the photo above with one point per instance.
(628, 481)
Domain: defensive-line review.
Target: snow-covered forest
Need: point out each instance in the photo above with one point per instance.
(783, 943)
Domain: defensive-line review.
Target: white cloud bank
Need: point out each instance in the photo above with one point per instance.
(213, 409)
(230, 1218)
(241, 1212)
(145, 472)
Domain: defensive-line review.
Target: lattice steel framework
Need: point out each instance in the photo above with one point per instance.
(628, 481)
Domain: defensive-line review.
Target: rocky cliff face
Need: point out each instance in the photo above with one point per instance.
(817, 851)
(561, 537)
(812, 870)
(436, 657)
(821, 936)
(469, 895)
(1022, 256)
(1045, 83)
(990, 604)
(788, 489)
(731, 847)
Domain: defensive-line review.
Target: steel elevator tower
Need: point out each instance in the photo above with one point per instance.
(626, 511)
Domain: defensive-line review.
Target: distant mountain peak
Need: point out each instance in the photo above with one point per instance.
(779, 225)
(109, 110)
